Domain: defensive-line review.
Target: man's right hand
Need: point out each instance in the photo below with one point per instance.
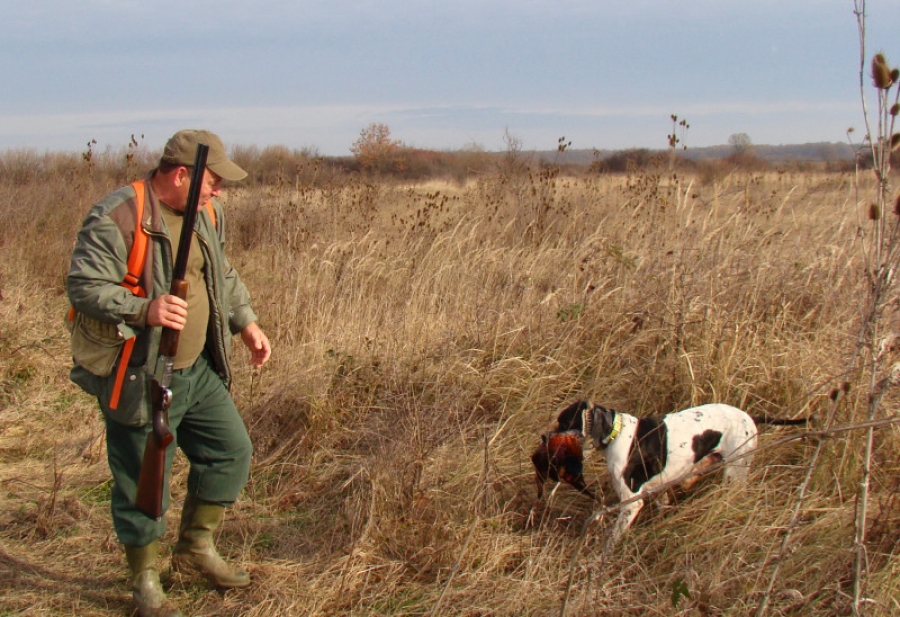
(168, 311)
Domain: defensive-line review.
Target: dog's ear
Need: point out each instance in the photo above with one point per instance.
(601, 425)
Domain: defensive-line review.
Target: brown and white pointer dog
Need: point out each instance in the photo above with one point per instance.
(644, 453)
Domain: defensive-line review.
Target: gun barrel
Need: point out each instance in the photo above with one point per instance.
(190, 214)
(152, 480)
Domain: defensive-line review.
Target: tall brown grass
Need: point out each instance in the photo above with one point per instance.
(424, 336)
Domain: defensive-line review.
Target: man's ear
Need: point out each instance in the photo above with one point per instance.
(181, 177)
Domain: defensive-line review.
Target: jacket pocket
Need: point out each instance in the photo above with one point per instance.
(134, 399)
(95, 344)
(88, 382)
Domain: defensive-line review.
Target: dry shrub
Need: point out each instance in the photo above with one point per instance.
(423, 337)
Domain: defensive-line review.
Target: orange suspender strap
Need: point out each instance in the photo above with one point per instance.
(211, 211)
(136, 259)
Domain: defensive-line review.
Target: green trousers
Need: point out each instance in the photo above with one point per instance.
(210, 432)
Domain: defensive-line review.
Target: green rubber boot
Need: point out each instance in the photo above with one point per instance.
(146, 589)
(195, 551)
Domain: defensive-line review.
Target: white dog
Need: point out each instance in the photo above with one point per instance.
(644, 453)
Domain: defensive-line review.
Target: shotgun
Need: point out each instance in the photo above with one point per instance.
(152, 479)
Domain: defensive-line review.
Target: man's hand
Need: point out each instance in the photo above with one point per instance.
(258, 343)
(169, 311)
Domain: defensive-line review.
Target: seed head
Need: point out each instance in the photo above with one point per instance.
(881, 72)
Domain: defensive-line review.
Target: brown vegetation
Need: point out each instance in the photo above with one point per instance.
(424, 336)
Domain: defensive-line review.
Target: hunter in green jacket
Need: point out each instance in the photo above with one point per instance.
(202, 416)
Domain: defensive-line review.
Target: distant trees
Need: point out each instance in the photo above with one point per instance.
(376, 151)
(743, 154)
(626, 161)
(741, 143)
(274, 165)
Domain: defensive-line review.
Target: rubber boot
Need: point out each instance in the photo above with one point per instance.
(146, 589)
(196, 552)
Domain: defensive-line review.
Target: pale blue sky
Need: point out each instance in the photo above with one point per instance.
(441, 75)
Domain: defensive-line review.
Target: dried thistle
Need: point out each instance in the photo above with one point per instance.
(894, 376)
(881, 72)
(874, 212)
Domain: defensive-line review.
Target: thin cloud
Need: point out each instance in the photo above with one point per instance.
(440, 74)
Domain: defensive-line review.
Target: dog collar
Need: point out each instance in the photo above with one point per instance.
(616, 429)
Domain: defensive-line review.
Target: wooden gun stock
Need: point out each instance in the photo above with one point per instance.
(151, 482)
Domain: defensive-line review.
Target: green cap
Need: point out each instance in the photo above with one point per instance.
(181, 149)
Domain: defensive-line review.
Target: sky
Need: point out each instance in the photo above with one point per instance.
(442, 75)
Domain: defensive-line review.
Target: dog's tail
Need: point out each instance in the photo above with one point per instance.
(781, 421)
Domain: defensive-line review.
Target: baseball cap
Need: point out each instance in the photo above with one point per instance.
(181, 149)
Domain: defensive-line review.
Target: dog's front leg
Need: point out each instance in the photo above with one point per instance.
(626, 516)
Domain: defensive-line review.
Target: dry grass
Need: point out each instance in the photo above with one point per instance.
(424, 336)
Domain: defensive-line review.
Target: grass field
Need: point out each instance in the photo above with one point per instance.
(424, 336)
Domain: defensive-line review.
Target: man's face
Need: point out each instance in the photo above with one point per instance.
(211, 187)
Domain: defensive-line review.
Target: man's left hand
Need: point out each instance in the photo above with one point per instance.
(258, 344)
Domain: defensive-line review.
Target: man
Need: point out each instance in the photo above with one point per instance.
(202, 415)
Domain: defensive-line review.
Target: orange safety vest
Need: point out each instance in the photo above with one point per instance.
(137, 258)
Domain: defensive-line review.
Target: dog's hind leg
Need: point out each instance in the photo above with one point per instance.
(738, 470)
(699, 468)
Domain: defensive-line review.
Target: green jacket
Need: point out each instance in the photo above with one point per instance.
(107, 313)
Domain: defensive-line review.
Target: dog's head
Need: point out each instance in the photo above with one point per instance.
(560, 456)
(572, 417)
(593, 421)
